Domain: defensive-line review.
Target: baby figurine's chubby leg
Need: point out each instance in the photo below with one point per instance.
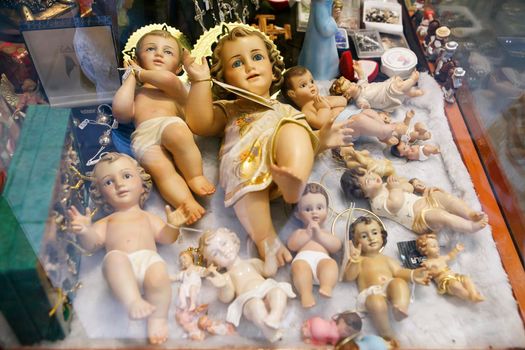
(302, 276)
(294, 158)
(398, 293)
(178, 140)
(276, 300)
(157, 290)
(255, 311)
(253, 211)
(377, 307)
(438, 219)
(458, 207)
(119, 274)
(172, 187)
(420, 132)
(327, 273)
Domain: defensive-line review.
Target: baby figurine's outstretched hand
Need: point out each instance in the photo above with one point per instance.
(216, 278)
(335, 134)
(196, 72)
(175, 217)
(79, 223)
(421, 276)
(354, 252)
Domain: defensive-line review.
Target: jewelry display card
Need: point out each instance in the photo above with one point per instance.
(75, 59)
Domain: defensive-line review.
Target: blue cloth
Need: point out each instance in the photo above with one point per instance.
(371, 342)
(319, 52)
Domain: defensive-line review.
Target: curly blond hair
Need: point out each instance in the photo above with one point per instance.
(422, 242)
(217, 67)
(94, 189)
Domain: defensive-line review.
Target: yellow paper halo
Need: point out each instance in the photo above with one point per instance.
(131, 44)
(202, 47)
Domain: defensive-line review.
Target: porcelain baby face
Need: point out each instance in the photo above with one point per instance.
(157, 52)
(119, 183)
(370, 181)
(222, 248)
(312, 207)
(303, 88)
(247, 65)
(369, 237)
(186, 260)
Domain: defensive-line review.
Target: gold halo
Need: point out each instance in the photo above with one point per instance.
(203, 45)
(131, 44)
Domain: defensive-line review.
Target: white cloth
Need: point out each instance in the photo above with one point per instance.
(378, 289)
(422, 155)
(382, 95)
(189, 279)
(312, 258)
(405, 215)
(140, 261)
(149, 133)
(236, 307)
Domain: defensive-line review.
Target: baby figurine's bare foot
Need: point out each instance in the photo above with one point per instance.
(415, 92)
(325, 291)
(477, 215)
(420, 132)
(192, 210)
(307, 300)
(273, 335)
(414, 76)
(140, 308)
(201, 186)
(272, 321)
(282, 255)
(399, 313)
(157, 330)
(480, 223)
(408, 117)
(476, 297)
(290, 185)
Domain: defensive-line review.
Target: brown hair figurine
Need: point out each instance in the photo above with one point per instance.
(446, 281)
(313, 264)
(380, 279)
(431, 213)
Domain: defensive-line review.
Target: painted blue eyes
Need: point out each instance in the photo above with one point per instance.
(258, 57)
(236, 64)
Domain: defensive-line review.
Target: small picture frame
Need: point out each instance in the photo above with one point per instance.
(390, 41)
(341, 39)
(367, 43)
(75, 59)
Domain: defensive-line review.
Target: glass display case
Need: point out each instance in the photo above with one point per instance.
(57, 124)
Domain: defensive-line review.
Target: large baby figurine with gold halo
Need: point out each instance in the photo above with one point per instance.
(380, 278)
(245, 283)
(313, 264)
(162, 142)
(447, 281)
(129, 235)
(431, 213)
(268, 148)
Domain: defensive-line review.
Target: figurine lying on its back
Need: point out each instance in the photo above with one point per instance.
(386, 95)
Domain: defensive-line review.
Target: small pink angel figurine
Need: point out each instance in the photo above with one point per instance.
(216, 327)
(318, 331)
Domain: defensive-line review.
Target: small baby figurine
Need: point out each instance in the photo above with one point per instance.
(414, 151)
(260, 299)
(437, 265)
(431, 213)
(380, 279)
(299, 87)
(362, 159)
(313, 264)
(318, 331)
(129, 235)
(162, 142)
(190, 276)
(216, 327)
(386, 95)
